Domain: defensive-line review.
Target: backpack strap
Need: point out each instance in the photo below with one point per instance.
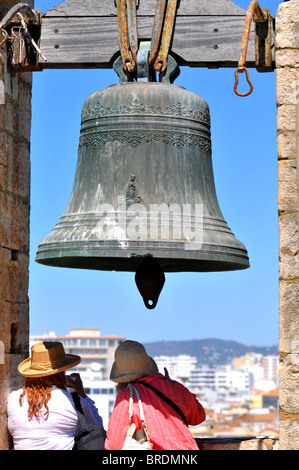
(165, 398)
(81, 418)
(77, 402)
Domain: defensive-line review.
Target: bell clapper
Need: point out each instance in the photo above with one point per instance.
(150, 280)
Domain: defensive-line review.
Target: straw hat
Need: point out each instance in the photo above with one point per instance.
(131, 362)
(47, 358)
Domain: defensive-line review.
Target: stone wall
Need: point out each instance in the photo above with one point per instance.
(15, 121)
(287, 63)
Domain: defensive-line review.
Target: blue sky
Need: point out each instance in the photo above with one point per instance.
(241, 305)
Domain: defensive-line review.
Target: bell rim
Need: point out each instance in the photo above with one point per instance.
(108, 258)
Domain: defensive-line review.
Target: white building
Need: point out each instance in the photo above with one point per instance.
(232, 379)
(270, 364)
(261, 368)
(220, 378)
(96, 351)
(178, 367)
(203, 377)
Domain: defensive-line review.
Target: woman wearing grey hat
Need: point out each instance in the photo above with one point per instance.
(168, 406)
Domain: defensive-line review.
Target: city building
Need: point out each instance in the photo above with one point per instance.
(263, 369)
(96, 351)
(179, 367)
(270, 364)
(228, 378)
(203, 377)
(220, 378)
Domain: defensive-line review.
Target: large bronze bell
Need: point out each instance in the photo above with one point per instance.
(144, 185)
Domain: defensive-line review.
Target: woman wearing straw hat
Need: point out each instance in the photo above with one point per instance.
(164, 420)
(42, 415)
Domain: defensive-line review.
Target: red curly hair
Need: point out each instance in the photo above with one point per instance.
(38, 393)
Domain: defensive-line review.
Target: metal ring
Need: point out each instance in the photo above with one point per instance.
(241, 70)
(5, 34)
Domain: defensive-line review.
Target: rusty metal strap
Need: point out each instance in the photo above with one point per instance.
(127, 60)
(132, 26)
(259, 16)
(157, 28)
(161, 60)
(161, 33)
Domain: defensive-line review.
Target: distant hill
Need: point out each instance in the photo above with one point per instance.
(210, 352)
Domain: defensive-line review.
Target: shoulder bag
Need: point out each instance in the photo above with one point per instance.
(136, 440)
(89, 436)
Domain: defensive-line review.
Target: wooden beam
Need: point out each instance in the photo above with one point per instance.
(207, 33)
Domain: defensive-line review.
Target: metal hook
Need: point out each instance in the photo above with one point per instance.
(241, 70)
(255, 13)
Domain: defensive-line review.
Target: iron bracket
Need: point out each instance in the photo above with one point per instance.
(144, 70)
(20, 29)
(263, 43)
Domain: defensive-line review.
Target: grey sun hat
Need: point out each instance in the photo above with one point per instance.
(131, 362)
